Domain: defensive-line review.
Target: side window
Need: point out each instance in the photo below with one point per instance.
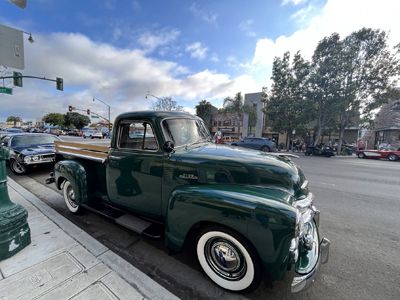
(137, 135)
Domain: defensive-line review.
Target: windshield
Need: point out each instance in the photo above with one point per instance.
(185, 131)
(27, 140)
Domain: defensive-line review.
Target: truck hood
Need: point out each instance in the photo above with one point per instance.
(212, 163)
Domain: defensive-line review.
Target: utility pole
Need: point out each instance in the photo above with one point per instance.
(15, 233)
(109, 113)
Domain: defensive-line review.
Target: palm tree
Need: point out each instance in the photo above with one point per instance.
(14, 119)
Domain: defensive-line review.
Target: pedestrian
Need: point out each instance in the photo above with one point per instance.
(218, 137)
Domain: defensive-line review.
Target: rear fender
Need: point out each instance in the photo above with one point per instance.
(75, 173)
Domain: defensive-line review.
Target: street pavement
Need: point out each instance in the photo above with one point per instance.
(360, 208)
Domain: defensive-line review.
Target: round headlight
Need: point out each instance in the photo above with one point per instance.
(27, 159)
(35, 158)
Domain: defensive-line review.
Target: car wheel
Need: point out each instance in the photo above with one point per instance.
(228, 259)
(265, 149)
(69, 198)
(393, 157)
(17, 168)
(361, 155)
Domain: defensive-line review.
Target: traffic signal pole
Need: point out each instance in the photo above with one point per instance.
(15, 233)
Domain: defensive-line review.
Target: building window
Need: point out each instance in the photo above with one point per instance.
(219, 123)
(227, 122)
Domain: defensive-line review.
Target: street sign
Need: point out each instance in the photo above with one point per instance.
(11, 47)
(5, 90)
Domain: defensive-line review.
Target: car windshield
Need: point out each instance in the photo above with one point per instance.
(185, 131)
(27, 140)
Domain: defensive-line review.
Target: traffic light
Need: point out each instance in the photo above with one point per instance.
(70, 108)
(59, 84)
(17, 79)
(88, 111)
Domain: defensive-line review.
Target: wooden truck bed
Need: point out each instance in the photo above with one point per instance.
(81, 150)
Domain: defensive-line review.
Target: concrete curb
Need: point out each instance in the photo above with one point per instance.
(139, 280)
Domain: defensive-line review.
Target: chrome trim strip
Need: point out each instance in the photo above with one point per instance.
(102, 160)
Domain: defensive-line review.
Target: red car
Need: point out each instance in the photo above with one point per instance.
(390, 154)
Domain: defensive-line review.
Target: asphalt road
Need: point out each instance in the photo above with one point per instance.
(360, 213)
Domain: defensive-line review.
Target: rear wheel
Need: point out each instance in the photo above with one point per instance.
(228, 259)
(361, 155)
(393, 157)
(69, 198)
(18, 168)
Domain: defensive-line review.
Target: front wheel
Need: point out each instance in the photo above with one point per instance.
(361, 155)
(69, 198)
(393, 157)
(228, 259)
(18, 168)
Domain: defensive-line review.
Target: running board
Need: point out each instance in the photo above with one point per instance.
(128, 221)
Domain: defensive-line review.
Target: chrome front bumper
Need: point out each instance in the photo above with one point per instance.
(302, 282)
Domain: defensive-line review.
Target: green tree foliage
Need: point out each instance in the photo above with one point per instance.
(54, 119)
(14, 119)
(234, 105)
(324, 84)
(350, 77)
(76, 119)
(204, 111)
(288, 107)
(166, 104)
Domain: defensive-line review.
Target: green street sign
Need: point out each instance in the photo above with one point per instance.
(5, 90)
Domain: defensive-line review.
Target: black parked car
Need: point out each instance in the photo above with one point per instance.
(28, 150)
(262, 144)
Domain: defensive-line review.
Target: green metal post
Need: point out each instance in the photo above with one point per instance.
(14, 229)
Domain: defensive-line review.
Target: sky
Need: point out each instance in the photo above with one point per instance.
(119, 50)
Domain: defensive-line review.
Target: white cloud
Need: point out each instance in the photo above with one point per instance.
(293, 2)
(247, 27)
(339, 16)
(120, 77)
(150, 41)
(196, 50)
(207, 16)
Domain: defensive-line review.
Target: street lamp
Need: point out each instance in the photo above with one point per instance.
(109, 113)
(30, 38)
(151, 95)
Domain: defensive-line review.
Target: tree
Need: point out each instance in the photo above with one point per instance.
(14, 119)
(288, 107)
(324, 84)
(234, 105)
(76, 119)
(363, 74)
(370, 75)
(54, 119)
(166, 104)
(204, 111)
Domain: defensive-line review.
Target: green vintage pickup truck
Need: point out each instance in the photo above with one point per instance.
(246, 214)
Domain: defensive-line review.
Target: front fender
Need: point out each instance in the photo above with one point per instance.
(262, 215)
(75, 173)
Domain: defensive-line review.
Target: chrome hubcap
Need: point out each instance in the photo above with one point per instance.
(17, 167)
(225, 259)
(71, 197)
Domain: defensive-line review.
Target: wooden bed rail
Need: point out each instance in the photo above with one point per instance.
(87, 151)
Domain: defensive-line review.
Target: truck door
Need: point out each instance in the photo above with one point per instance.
(134, 171)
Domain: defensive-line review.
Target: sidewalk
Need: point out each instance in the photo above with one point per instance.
(64, 262)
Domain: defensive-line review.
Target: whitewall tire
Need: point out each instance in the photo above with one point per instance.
(69, 198)
(228, 259)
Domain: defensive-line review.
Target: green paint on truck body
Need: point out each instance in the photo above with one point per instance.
(248, 191)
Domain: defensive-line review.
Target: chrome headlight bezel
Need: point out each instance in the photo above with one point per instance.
(35, 158)
(27, 159)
